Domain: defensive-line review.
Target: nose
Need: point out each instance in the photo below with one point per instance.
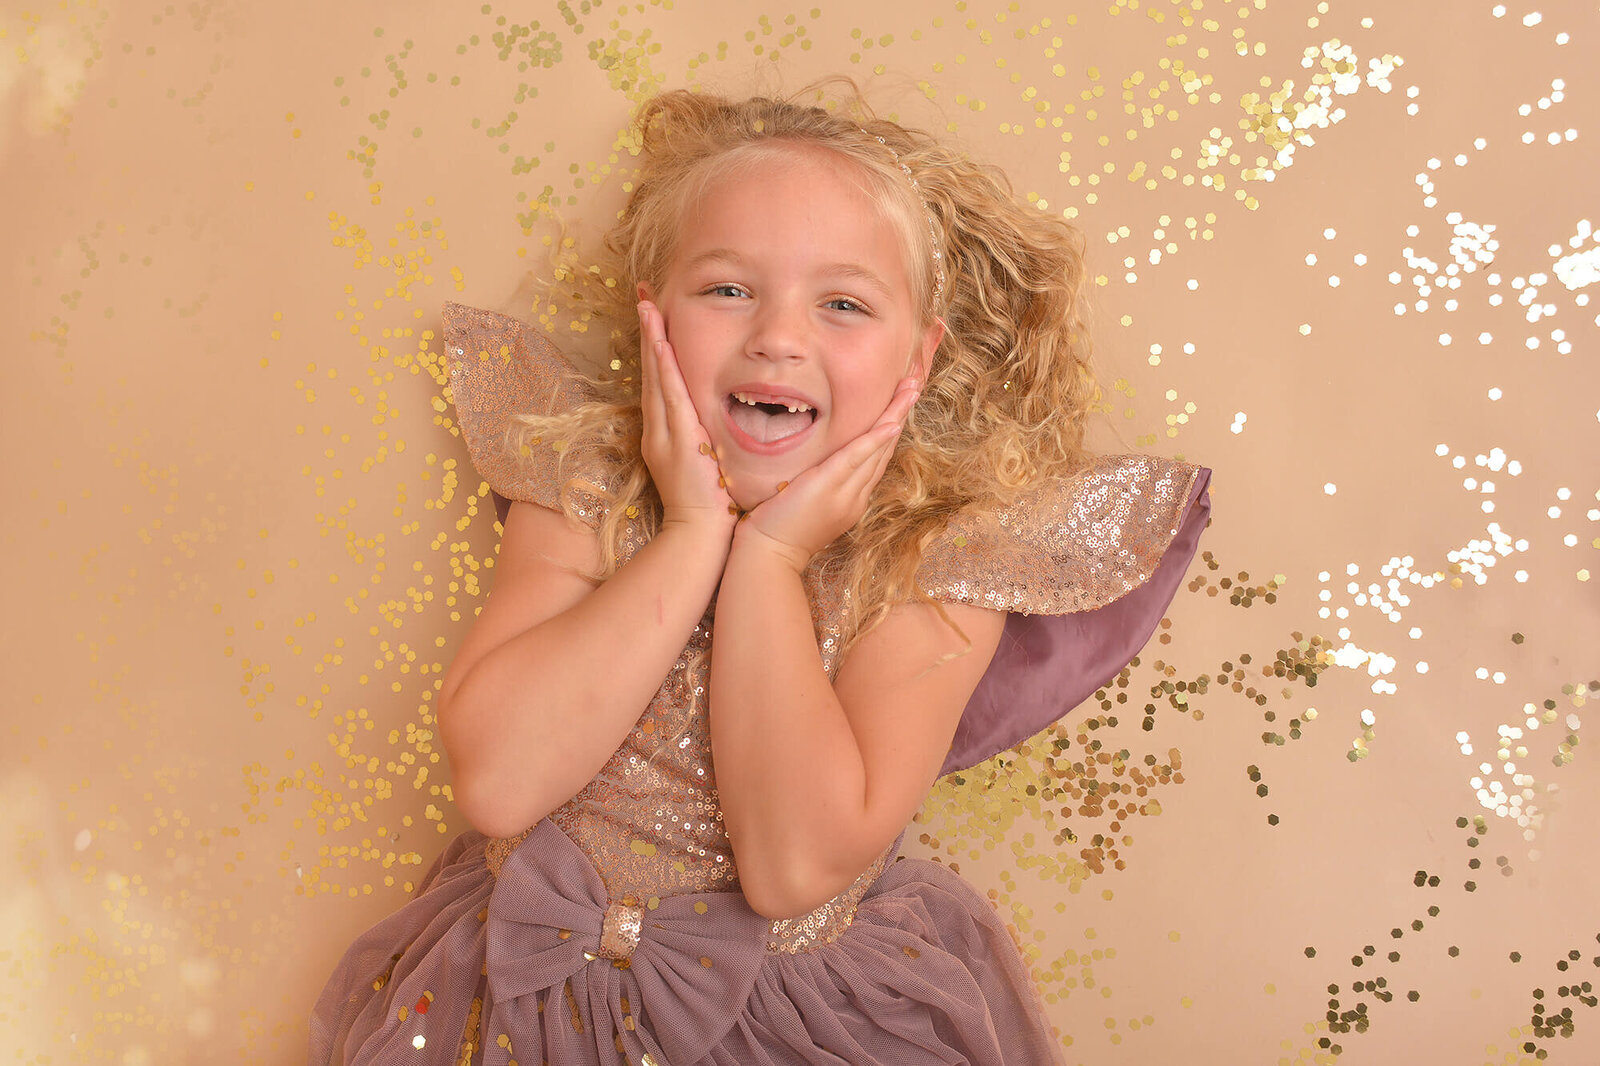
(780, 330)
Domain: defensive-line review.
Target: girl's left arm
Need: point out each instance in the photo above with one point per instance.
(816, 779)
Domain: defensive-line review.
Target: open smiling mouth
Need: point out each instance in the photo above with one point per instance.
(769, 421)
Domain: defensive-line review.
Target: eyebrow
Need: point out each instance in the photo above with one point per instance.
(854, 271)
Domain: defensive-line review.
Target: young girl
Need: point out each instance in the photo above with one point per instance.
(831, 536)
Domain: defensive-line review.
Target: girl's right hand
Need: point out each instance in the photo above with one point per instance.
(675, 446)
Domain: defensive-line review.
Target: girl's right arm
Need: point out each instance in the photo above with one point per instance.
(556, 671)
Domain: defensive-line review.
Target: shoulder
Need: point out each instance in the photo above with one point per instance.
(546, 563)
(535, 534)
(904, 683)
(919, 639)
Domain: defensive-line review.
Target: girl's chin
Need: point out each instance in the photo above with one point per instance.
(749, 499)
(749, 492)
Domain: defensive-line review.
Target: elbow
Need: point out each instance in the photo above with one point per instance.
(786, 893)
(791, 878)
(489, 803)
(482, 799)
(485, 807)
(770, 906)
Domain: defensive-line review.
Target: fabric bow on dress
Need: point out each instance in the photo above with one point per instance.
(694, 957)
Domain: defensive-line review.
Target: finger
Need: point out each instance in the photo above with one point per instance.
(649, 370)
(904, 398)
(656, 353)
(839, 467)
(674, 392)
(854, 492)
(899, 406)
(885, 457)
(861, 480)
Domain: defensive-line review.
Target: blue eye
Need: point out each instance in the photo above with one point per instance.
(725, 290)
(847, 304)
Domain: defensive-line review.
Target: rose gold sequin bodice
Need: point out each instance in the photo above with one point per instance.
(650, 821)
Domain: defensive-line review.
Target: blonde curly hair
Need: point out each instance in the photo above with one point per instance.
(1007, 397)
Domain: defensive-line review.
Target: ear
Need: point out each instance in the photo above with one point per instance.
(645, 292)
(922, 358)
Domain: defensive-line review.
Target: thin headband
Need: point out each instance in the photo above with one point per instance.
(933, 231)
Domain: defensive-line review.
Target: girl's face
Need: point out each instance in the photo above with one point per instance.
(790, 309)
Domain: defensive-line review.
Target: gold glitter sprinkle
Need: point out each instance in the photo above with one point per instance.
(383, 978)
(469, 1034)
(572, 1004)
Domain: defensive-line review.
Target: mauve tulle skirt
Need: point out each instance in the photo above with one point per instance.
(480, 969)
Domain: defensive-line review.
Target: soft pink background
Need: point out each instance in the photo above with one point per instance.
(238, 548)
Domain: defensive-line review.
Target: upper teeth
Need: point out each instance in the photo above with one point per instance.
(794, 408)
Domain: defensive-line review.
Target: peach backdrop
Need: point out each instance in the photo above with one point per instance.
(1338, 809)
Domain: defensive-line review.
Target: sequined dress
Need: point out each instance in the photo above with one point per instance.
(614, 932)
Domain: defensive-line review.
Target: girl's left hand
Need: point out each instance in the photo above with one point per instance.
(824, 501)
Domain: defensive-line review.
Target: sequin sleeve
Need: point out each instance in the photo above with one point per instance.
(501, 367)
(1084, 567)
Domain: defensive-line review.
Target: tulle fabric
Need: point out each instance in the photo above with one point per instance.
(926, 973)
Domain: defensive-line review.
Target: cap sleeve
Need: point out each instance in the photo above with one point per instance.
(501, 367)
(1085, 567)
